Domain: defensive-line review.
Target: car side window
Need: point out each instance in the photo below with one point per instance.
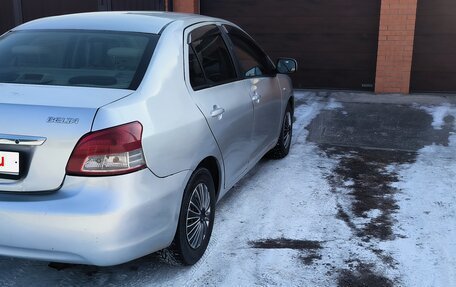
(197, 78)
(210, 62)
(252, 60)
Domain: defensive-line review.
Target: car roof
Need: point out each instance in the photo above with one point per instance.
(129, 21)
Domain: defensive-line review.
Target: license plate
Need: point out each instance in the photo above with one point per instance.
(9, 163)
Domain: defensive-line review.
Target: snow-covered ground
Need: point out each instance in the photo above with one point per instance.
(323, 216)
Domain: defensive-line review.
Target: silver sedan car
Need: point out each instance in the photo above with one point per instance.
(121, 130)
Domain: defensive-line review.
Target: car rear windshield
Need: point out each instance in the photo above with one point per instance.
(75, 58)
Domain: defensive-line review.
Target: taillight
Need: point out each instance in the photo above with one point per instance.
(112, 151)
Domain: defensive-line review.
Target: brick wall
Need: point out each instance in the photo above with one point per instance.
(186, 6)
(395, 46)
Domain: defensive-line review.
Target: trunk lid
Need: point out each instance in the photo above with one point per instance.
(41, 125)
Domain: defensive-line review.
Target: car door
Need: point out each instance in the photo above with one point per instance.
(222, 97)
(260, 76)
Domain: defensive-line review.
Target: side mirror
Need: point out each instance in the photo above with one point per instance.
(287, 65)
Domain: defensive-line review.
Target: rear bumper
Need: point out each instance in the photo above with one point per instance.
(93, 220)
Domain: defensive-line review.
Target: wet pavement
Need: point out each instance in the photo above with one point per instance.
(370, 141)
(367, 181)
(378, 126)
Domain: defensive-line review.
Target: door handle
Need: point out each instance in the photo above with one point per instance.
(256, 97)
(217, 112)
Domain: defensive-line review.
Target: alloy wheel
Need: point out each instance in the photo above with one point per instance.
(198, 216)
(287, 126)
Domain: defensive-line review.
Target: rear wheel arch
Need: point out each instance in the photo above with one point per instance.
(212, 164)
(283, 145)
(291, 103)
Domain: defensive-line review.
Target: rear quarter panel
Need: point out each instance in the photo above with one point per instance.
(176, 136)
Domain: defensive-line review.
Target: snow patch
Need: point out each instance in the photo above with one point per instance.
(349, 183)
(373, 213)
(333, 105)
(427, 213)
(439, 113)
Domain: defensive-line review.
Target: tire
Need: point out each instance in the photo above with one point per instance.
(282, 148)
(194, 230)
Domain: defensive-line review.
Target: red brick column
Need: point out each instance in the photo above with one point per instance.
(186, 6)
(395, 46)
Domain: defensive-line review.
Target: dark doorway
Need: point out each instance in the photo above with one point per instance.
(335, 42)
(434, 52)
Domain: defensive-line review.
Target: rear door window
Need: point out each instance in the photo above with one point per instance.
(210, 62)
